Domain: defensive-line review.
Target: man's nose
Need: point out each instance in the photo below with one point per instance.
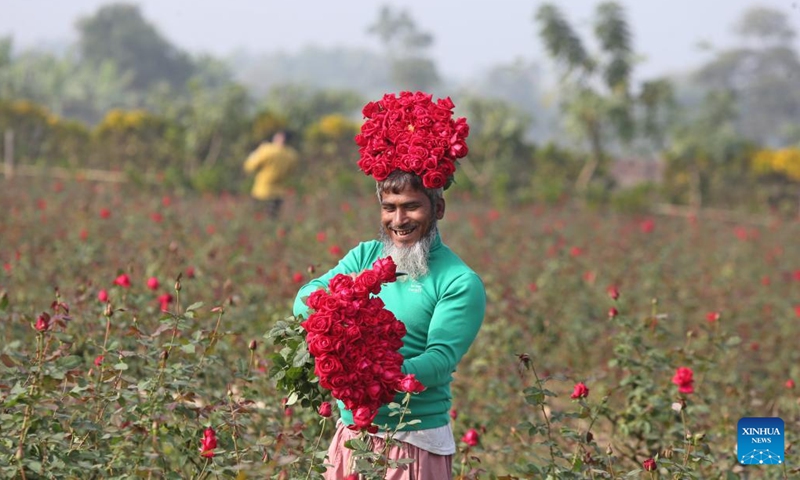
(400, 216)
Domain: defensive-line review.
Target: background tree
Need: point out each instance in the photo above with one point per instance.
(405, 45)
(119, 33)
(498, 163)
(763, 71)
(706, 154)
(595, 89)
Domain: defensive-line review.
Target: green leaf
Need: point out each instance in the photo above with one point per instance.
(121, 366)
(188, 348)
(194, 306)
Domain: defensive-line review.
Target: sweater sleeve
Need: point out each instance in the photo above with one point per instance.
(454, 325)
(353, 262)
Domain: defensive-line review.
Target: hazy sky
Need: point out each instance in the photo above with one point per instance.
(470, 35)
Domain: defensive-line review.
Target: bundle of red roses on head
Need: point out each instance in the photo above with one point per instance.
(413, 134)
(355, 341)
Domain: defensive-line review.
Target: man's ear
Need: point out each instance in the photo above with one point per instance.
(440, 206)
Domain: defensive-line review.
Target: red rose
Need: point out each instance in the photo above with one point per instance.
(386, 269)
(649, 465)
(471, 438)
(579, 391)
(368, 282)
(102, 295)
(363, 417)
(208, 443)
(684, 379)
(340, 282)
(123, 281)
(327, 365)
(434, 179)
(325, 409)
(43, 322)
(410, 384)
(318, 322)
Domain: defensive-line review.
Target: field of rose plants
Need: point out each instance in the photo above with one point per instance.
(133, 323)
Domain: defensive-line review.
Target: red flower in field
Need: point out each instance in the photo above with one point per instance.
(321, 237)
(166, 201)
(7, 267)
(647, 226)
(612, 312)
(210, 230)
(123, 281)
(649, 465)
(297, 277)
(189, 272)
(613, 292)
(471, 438)
(41, 204)
(579, 391)
(410, 384)
(164, 300)
(98, 360)
(765, 280)
(105, 213)
(325, 409)
(156, 217)
(684, 379)
(589, 276)
(493, 215)
(102, 295)
(84, 234)
(335, 250)
(43, 322)
(454, 414)
(152, 283)
(208, 443)
(532, 287)
(796, 275)
(712, 317)
(790, 384)
(797, 310)
(576, 251)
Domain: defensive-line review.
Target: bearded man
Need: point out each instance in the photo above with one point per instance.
(437, 296)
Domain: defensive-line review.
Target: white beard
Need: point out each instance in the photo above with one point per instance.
(411, 260)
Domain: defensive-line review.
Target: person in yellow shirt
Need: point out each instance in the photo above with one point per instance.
(273, 162)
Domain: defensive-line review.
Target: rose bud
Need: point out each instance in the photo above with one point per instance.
(613, 292)
(612, 312)
(580, 391)
(325, 409)
(471, 437)
(253, 345)
(649, 465)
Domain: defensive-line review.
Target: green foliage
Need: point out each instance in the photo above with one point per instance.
(546, 274)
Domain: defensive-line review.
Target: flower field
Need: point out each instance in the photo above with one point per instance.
(614, 346)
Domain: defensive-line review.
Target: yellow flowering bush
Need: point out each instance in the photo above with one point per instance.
(785, 161)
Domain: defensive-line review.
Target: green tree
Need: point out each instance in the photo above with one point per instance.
(763, 72)
(119, 33)
(405, 45)
(597, 97)
(499, 155)
(706, 153)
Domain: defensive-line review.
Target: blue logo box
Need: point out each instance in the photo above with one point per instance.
(760, 441)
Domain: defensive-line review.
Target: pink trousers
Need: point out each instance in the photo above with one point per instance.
(426, 465)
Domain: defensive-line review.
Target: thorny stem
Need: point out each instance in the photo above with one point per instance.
(544, 414)
(390, 436)
(316, 446)
(686, 437)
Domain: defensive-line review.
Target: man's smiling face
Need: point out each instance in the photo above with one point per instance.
(407, 216)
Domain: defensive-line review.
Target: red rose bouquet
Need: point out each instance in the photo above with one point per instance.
(355, 341)
(414, 134)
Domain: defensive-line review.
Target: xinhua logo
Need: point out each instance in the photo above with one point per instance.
(760, 441)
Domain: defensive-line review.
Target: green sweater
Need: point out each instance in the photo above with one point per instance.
(442, 312)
